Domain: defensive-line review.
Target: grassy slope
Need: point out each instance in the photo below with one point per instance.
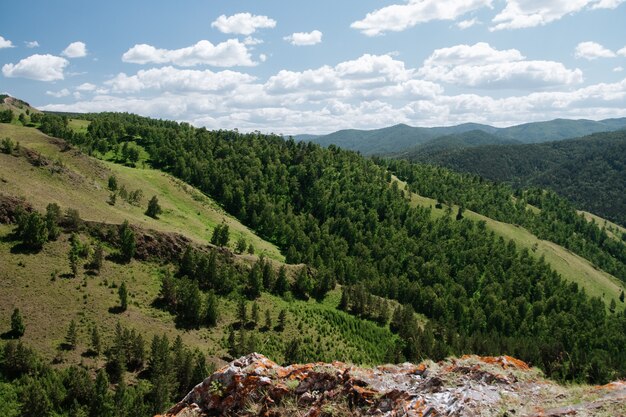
(83, 186)
(48, 305)
(572, 267)
(613, 230)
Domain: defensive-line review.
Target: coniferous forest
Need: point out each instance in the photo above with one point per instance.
(444, 285)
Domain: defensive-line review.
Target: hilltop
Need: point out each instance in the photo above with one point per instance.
(589, 171)
(401, 137)
(467, 386)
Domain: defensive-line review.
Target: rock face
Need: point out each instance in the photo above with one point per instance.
(469, 386)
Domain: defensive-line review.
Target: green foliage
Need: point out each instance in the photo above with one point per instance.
(71, 337)
(112, 184)
(154, 209)
(211, 309)
(220, 235)
(31, 229)
(17, 324)
(122, 292)
(7, 146)
(95, 341)
(127, 242)
(6, 116)
(53, 216)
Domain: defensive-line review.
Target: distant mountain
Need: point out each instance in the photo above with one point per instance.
(401, 137)
(589, 171)
(439, 144)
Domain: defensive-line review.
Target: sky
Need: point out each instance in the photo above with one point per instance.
(293, 67)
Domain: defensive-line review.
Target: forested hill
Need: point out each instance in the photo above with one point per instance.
(336, 211)
(401, 137)
(590, 171)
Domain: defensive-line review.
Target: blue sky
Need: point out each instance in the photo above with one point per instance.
(314, 67)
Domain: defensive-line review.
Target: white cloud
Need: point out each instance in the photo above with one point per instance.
(304, 38)
(607, 4)
(592, 50)
(32, 44)
(399, 17)
(75, 50)
(86, 87)
(5, 43)
(226, 54)
(250, 41)
(242, 23)
(466, 24)
(172, 79)
(262, 57)
(482, 66)
(58, 94)
(519, 14)
(622, 52)
(618, 69)
(37, 67)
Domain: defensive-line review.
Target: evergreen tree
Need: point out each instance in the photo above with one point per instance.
(232, 344)
(96, 343)
(122, 292)
(32, 230)
(268, 320)
(71, 337)
(255, 282)
(98, 257)
(73, 259)
(127, 242)
(242, 312)
(282, 285)
(17, 324)
(612, 305)
(211, 309)
(621, 296)
(282, 320)
(53, 215)
(303, 285)
(154, 209)
(241, 245)
(102, 403)
(112, 183)
(255, 313)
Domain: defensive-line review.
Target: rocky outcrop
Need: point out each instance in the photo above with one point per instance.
(469, 386)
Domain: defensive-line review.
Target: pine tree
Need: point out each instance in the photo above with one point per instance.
(303, 285)
(71, 338)
(98, 257)
(241, 245)
(255, 282)
(268, 319)
(127, 242)
(17, 324)
(612, 305)
(282, 320)
(102, 403)
(621, 296)
(53, 215)
(154, 209)
(232, 344)
(282, 285)
(242, 312)
(112, 183)
(211, 309)
(123, 294)
(255, 313)
(96, 343)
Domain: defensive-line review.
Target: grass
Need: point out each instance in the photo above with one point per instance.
(78, 125)
(570, 266)
(613, 230)
(82, 184)
(41, 286)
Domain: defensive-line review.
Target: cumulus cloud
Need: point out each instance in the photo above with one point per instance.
(622, 52)
(618, 69)
(304, 38)
(173, 79)
(32, 44)
(226, 54)
(466, 24)
(242, 23)
(75, 50)
(58, 94)
(399, 17)
(519, 14)
(86, 87)
(5, 43)
(482, 66)
(37, 67)
(592, 50)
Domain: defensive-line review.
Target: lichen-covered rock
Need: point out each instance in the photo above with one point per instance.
(469, 386)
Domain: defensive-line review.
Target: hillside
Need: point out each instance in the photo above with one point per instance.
(16, 105)
(353, 270)
(399, 138)
(455, 141)
(588, 171)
